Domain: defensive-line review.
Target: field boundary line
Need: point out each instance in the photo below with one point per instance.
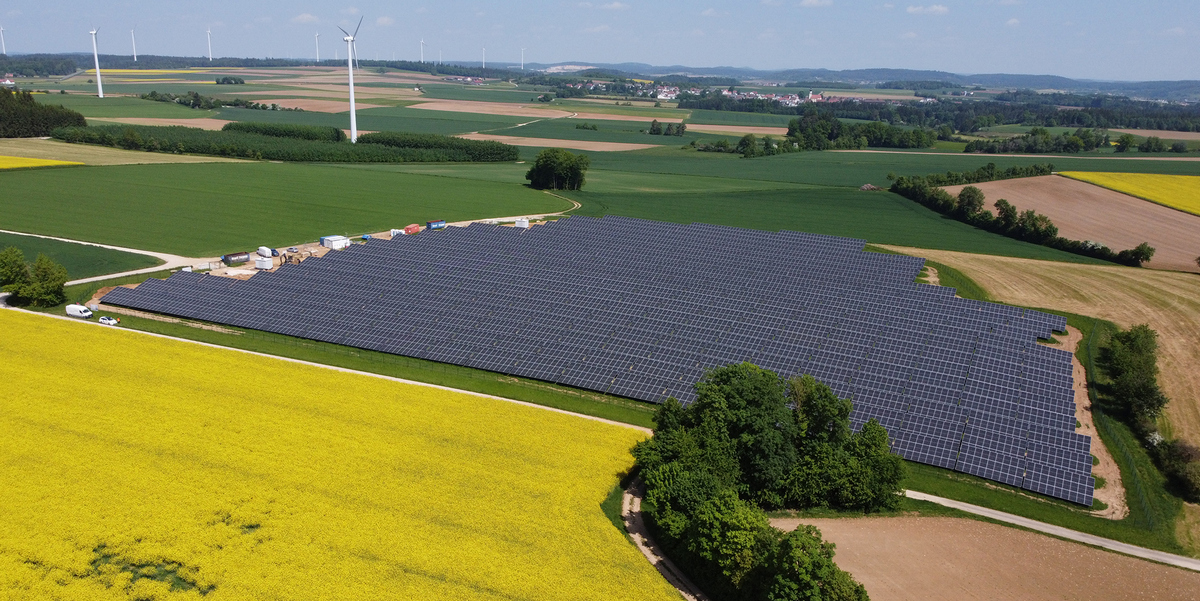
(1171, 559)
(4, 305)
(635, 526)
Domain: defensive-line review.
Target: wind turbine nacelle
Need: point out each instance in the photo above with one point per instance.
(347, 39)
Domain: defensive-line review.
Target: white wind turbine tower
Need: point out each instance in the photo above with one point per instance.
(484, 63)
(349, 39)
(209, 32)
(318, 38)
(3, 48)
(96, 56)
(134, 38)
(422, 49)
(522, 59)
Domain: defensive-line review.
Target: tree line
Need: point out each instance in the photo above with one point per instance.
(750, 442)
(972, 115)
(37, 65)
(1130, 361)
(1039, 140)
(197, 101)
(23, 117)
(671, 129)
(1028, 225)
(823, 131)
(39, 284)
(286, 143)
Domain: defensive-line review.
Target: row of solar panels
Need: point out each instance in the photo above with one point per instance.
(640, 309)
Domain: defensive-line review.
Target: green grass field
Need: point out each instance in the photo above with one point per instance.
(730, 118)
(215, 208)
(383, 119)
(81, 261)
(879, 217)
(632, 132)
(122, 106)
(486, 93)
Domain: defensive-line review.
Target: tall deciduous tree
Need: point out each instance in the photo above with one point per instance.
(558, 169)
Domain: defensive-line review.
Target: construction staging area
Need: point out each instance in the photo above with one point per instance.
(641, 308)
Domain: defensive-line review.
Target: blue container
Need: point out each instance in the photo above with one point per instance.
(435, 225)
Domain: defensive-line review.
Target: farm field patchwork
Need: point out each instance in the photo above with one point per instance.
(879, 217)
(81, 260)
(382, 119)
(122, 106)
(1083, 211)
(7, 162)
(36, 148)
(212, 209)
(1180, 192)
(291, 481)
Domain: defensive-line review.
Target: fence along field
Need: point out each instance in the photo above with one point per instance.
(239, 478)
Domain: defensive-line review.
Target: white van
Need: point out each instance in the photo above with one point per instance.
(79, 311)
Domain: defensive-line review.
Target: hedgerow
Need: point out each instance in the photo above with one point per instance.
(479, 150)
(22, 117)
(188, 140)
(321, 133)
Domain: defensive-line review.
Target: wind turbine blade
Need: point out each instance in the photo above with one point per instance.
(360, 19)
(344, 31)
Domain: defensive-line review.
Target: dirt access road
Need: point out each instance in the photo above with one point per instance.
(956, 559)
(1084, 211)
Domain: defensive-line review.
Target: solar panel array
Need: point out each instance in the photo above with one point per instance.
(640, 309)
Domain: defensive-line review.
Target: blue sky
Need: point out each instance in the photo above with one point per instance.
(1099, 39)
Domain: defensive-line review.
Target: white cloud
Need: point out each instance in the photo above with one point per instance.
(421, 11)
(385, 21)
(350, 11)
(772, 2)
(889, 6)
(614, 6)
(305, 18)
(912, 35)
(769, 34)
(1174, 31)
(815, 3)
(932, 9)
(708, 12)
(1012, 22)
(597, 29)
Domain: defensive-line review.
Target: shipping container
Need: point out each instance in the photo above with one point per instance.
(523, 223)
(235, 258)
(435, 225)
(412, 229)
(264, 263)
(335, 242)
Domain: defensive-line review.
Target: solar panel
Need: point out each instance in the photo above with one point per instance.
(640, 308)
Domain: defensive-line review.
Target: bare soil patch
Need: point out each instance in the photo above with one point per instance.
(551, 142)
(740, 130)
(955, 559)
(1084, 211)
(320, 106)
(931, 276)
(1113, 492)
(489, 108)
(203, 123)
(37, 148)
(1159, 133)
(1168, 301)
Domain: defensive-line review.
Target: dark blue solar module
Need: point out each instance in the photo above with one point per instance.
(641, 308)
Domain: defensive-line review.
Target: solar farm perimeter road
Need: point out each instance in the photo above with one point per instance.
(1179, 561)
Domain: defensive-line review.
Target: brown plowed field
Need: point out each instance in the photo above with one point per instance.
(956, 559)
(489, 108)
(1084, 211)
(551, 142)
(209, 124)
(1168, 301)
(1166, 135)
(739, 129)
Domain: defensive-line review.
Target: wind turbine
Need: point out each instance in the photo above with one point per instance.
(522, 59)
(134, 38)
(96, 55)
(484, 63)
(318, 38)
(3, 48)
(422, 49)
(209, 32)
(349, 39)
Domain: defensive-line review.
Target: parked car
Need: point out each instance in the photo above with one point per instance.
(293, 250)
(79, 311)
(109, 321)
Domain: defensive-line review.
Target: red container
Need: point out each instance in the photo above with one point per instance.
(412, 229)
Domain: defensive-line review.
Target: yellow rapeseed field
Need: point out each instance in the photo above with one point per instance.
(24, 163)
(136, 467)
(1176, 191)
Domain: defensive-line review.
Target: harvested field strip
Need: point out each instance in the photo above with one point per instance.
(1160, 133)
(7, 162)
(1169, 302)
(95, 155)
(1180, 192)
(489, 108)
(572, 144)
(932, 559)
(286, 480)
(1083, 211)
(758, 130)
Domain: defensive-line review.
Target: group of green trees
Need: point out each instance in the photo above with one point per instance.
(671, 129)
(1029, 225)
(817, 130)
(293, 143)
(1126, 142)
(230, 81)
(751, 441)
(23, 117)
(197, 101)
(37, 65)
(1039, 141)
(558, 169)
(39, 283)
(1131, 363)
